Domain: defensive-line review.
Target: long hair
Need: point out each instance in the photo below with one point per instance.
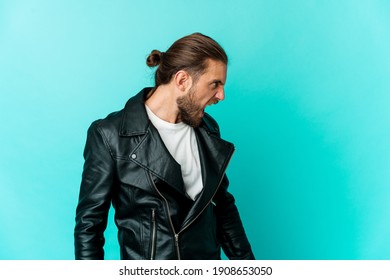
(189, 53)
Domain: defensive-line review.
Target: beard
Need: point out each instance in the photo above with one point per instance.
(190, 112)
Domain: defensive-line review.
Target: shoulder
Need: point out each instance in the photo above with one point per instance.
(109, 126)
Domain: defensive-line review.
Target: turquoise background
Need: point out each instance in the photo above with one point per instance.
(307, 106)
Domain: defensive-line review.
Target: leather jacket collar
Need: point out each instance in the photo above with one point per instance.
(135, 119)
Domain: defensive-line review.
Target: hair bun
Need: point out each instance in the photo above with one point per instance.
(154, 58)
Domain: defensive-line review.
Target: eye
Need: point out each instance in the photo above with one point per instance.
(215, 85)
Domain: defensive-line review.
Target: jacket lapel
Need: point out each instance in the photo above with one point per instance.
(215, 154)
(150, 153)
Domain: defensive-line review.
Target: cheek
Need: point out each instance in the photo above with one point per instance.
(209, 96)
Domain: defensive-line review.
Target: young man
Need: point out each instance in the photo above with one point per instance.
(161, 163)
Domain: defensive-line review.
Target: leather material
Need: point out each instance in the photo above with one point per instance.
(128, 165)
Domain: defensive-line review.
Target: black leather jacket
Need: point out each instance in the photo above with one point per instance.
(127, 164)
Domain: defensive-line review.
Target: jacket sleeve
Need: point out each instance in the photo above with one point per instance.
(231, 232)
(95, 196)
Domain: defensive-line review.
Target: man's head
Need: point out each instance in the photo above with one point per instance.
(195, 67)
(189, 53)
(208, 90)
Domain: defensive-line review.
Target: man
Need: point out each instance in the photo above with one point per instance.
(161, 163)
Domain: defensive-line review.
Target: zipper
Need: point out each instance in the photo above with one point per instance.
(153, 239)
(169, 217)
(177, 245)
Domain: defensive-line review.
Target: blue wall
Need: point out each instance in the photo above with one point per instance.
(307, 105)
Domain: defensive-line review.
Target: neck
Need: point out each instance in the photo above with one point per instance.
(163, 104)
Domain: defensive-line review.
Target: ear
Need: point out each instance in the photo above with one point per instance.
(183, 80)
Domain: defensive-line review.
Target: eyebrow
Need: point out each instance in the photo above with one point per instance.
(216, 81)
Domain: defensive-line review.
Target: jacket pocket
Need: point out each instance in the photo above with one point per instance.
(153, 235)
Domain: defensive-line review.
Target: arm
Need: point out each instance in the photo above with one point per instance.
(231, 232)
(95, 196)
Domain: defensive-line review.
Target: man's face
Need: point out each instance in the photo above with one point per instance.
(208, 90)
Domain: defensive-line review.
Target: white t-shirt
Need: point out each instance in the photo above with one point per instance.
(180, 140)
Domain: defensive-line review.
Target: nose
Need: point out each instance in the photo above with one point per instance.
(220, 95)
